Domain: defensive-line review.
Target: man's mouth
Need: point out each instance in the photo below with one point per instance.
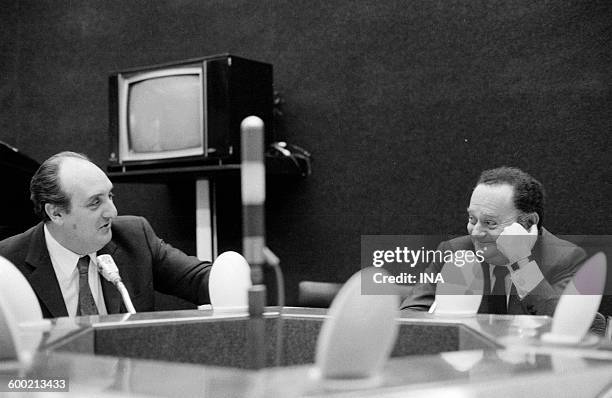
(107, 225)
(486, 246)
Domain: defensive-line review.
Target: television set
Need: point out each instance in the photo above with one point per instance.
(186, 112)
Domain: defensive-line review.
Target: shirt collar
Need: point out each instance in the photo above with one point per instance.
(65, 259)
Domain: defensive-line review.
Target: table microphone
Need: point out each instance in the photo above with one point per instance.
(253, 189)
(108, 269)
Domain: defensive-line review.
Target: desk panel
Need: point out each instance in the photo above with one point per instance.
(223, 342)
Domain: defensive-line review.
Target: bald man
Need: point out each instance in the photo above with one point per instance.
(74, 199)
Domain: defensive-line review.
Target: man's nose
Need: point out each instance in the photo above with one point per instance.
(477, 231)
(110, 211)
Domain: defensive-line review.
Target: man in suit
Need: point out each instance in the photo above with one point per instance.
(525, 267)
(74, 199)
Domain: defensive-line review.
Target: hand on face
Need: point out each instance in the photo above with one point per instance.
(515, 242)
(485, 244)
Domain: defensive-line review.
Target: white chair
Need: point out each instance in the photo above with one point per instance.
(18, 295)
(229, 282)
(358, 336)
(9, 343)
(578, 305)
(21, 322)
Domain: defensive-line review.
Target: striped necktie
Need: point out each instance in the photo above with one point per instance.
(87, 305)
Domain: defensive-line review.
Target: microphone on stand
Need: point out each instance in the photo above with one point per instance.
(108, 269)
(253, 189)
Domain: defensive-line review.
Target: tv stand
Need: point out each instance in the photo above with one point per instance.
(204, 177)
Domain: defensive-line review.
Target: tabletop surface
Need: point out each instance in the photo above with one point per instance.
(522, 366)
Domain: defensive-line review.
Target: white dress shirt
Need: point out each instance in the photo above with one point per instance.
(65, 266)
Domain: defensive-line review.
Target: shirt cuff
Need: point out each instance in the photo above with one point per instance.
(526, 278)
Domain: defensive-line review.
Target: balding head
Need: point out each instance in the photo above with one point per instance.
(78, 174)
(45, 185)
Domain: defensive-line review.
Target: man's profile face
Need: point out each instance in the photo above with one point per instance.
(86, 227)
(491, 210)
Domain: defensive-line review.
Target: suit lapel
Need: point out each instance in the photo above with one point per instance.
(42, 278)
(112, 297)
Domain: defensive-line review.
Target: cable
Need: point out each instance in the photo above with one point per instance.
(126, 298)
(108, 269)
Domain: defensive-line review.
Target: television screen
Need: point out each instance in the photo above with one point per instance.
(185, 113)
(164, 114)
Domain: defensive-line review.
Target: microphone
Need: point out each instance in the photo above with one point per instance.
(108, 269)
(253, 189)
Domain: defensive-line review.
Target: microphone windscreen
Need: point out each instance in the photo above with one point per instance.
(108, 268)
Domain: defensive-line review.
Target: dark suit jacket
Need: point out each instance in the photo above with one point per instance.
(146, 263)
(558, 260)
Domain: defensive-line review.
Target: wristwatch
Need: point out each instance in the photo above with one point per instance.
(515, 266)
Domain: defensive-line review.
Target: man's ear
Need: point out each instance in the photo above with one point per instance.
(55, 213)
(535, 218)
(529, 219)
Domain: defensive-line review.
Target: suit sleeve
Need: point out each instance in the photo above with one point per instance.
(421, 296)
(543, 299)
(176, 273)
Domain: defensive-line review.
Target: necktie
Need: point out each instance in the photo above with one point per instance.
(497, 299)
(87, 305)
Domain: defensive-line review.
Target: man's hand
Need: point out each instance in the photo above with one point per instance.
(515, 242)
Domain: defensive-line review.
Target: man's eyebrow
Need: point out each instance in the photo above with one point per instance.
(484, 214)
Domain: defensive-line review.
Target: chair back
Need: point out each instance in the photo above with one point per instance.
(578, 305)
(357, 337)
(17, 294)
(317, 294)
(229, 283)
(9, 350)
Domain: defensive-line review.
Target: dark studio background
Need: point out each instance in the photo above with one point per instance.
(402, 104)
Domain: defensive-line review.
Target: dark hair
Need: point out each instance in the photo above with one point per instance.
(45, 185)
(528, 192)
